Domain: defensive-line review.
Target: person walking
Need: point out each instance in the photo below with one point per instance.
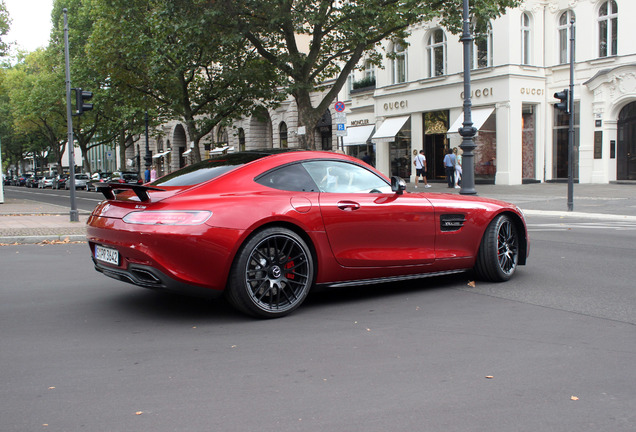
(420, 168)
(458, 168)
(449, 165)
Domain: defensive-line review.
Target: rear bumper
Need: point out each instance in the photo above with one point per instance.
(152, 278)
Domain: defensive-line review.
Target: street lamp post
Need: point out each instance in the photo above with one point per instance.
(467, 131)
(148, 157)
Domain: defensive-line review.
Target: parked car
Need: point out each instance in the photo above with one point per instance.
(45, 181)
(32, 181)
(266, 226)
(130, 177)
(81, 182)
(59, 182)
(98, 177)
(21, 180)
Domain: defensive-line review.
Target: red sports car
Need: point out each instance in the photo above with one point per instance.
(266, 226)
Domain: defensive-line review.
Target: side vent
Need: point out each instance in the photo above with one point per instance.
(451, 222)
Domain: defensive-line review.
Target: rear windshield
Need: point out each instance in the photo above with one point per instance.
(127, 176)
(81, 176)
(208, 169)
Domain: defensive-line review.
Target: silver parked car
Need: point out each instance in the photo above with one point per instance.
(81, 182)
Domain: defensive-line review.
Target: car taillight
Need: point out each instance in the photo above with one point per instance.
(121, 180)
(167, 217)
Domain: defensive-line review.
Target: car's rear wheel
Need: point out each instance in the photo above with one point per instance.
(499, 250)
(272, 274)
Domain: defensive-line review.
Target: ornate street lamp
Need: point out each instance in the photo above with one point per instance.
(467, 131)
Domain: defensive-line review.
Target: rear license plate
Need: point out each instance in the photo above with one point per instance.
(110, 256)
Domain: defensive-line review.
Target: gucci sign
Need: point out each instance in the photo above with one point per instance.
(479, 93)
(388, 106)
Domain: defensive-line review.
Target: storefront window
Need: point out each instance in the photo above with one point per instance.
(486, 151)
(560, 144)
(400, 152)
(528, 140)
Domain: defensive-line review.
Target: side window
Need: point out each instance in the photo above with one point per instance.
(289, 178)
(343, 177)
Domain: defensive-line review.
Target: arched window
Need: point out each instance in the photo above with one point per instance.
(221, 137)
(482, 46)
(608, 29)
(282, 133)
(526, 39)
(399, 63)
(436, 53)
(564, 36)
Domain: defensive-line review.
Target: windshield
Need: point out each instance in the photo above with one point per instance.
(208, 169)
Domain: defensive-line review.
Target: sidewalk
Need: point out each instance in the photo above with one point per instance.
(31, 222)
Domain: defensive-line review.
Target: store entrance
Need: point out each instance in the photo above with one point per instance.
(435, 143)
(626, 146)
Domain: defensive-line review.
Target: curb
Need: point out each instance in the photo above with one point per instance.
(580, 215)
(42, 239)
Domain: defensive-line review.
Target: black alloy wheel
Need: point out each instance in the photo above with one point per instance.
(272, 274)
(499, 250)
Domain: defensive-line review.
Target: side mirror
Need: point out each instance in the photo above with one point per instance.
(398, 185)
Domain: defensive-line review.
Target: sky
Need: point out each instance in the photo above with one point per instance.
(31, 23)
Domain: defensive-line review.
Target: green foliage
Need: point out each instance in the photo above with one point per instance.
(175, 56)
(5, 24)
(314, 42)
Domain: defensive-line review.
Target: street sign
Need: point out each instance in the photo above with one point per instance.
(341, 129)
(339, 106)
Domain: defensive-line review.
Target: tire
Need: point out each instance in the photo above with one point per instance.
(272, 274)
(499, 250)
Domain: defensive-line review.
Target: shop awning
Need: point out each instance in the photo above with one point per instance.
(219, 150)
(158, 155)
(478, 115)
(389, 129)
(358, 135)
(187, 152)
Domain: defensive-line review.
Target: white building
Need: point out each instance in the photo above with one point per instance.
(519, 62)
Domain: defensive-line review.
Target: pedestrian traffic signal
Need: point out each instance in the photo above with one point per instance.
(564, 104)
(81, 96)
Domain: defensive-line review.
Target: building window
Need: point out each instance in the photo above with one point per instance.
(608, 29)
(564, 36)
(241, 139)
(482, 46)
(399, 63)
(526, 41)
(282, 132)
(221, 137)
(436, 53)
(369, 71)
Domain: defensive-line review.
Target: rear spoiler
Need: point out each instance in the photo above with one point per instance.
(140, 190)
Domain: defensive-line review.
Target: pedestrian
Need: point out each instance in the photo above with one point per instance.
(420, 168)
(449, 165)
(458, 168)
(366, 158)
(153, 174)
(147, 175)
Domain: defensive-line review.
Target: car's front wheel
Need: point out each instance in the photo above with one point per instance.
(499, 250)
(272, 274)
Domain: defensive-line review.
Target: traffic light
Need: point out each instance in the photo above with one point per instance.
(81, 96)
(564, 104)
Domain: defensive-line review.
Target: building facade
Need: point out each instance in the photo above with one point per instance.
(415, 101)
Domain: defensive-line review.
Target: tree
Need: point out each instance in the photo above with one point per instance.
(37, 103)
(338, 34)
(173, 54)
(5, 24)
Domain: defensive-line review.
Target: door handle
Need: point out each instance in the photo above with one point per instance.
(348, 205)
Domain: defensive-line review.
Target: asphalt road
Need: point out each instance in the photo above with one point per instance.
(84, 200)
(552, 350)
